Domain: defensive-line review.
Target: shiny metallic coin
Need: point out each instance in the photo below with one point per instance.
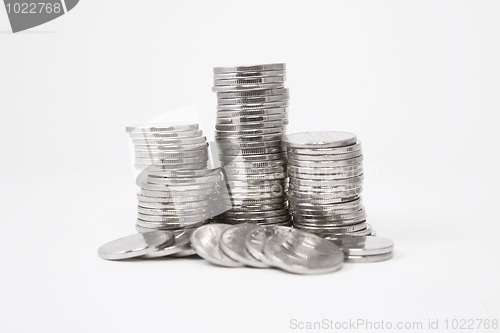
(194, 195)
(175, 148)
(186, 251)
(303, 253)
(230, 145)
(323, 151)
(327, 191)
(320, 200)
(177, 206)
(257, 239)
(135, 245)
(252, 100)
(165, 135)
(181, 240)
(173, 212)
(253, 106)
(234, 139)
(253, 151)
(325, 164)
(353, 204)
(259, 208)
(252, 158)
(169, 141)
(322, 171)
(168, 226)
(330, 195)
(251, 120)
(247, 133)
(239, 164)
(177, 166)
(245, 74)
(206, 242)
(162, 128)
(328, 182)
(330, 157)
(249, 81)
(178, 189)
(323, 139)
(245, 87)
(266, 220)
(250, 68)
(171, 154)
(256, 214)
(160, 172)
(367, 259)
(249, 201)
(258, 177)
(326, 223)
(173, 219)
(251, 126)
(368, 231)
(252, 93)
(172, 200)
(232, 242)
(170, 161)
(255, 112)
(293, 174)
(332, 230)
(364, 246)
(242, 170)
(167, 181)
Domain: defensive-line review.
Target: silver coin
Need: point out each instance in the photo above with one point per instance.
(206, 242)
(332, 230)
(330, 157)
(195, 195)
(171, 148)
(162, 128)
(233, 244)
(248, 138)
(253, 151)
(173, 212)
(258, 177)
(181, 241)
(303, 253)
(255, 112)
(368, 231)
(186, 251)
(253, 106)
(259, 208)
(249, 81)
(326, 223)
(169, 141)
(252, 158)
(245, 164)
(326, 190)
(180, 188)
(247, 132)
(251, 120)
(250, 68)
(167, 226)
(171, 154)
(160, 172)
(174, 219)
(293, 174)
(364, 246)
(367, 259)
(196, 166)
(257, 238)
(328, 182)
(178, 206)
(235, 75)
(325, 164)
(322, 171)
(261, 220)
(245, 87)
(252, 100)
(256, 214)
(323, 151)
(249, 201)
(250, 126)
(165, 135)
(170, 199)
(135, 245)
(183, 181)
(252, 93)
(353, 204)
(331, 195)
(325, 139)
(167, 161)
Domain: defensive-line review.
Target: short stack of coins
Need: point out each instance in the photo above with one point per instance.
(177, 189)
(251, 119)
(326, 180)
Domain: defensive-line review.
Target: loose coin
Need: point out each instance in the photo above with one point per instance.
(233, 244)
(135, 245)
(181, 241)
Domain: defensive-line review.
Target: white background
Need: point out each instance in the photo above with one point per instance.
(417, 81)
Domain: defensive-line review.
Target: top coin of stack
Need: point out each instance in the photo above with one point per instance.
(326, 181)
(251, 119)
(176, 187)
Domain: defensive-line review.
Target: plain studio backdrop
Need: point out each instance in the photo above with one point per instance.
(417, 81)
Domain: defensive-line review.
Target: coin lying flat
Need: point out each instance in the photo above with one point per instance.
(364, 246)
(250, 68)
(367, 259)
(303, 253)
(206, 242)
(233, 244)
(135, 245)
(162, 128)
(181, 241)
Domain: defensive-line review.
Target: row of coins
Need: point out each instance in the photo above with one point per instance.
(326, 181)
(177, 190)
(251, 119)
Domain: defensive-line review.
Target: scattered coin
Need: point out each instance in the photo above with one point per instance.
(135, 245)
(233, 244)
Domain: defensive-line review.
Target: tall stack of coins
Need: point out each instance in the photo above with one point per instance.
(251, 119)
(177, 190)
(326, 180)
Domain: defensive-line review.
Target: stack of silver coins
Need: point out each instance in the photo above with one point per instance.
(177, 190)
(251, 119)
(326, 180)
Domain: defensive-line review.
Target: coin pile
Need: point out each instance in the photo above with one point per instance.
(177, 190)
(252, 245)
(326, 180)
(251, 119)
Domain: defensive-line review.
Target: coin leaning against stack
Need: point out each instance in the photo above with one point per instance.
(251, 119)
(177, 190)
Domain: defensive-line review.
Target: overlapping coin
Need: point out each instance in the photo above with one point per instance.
(251, 119)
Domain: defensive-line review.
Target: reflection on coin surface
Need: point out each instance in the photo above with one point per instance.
(135, 245)
(364, 246)
(181, 239)
(206, 242)
(325, 139)
(257, 238)
(303, 253)
(233, 244)
(367, 259)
